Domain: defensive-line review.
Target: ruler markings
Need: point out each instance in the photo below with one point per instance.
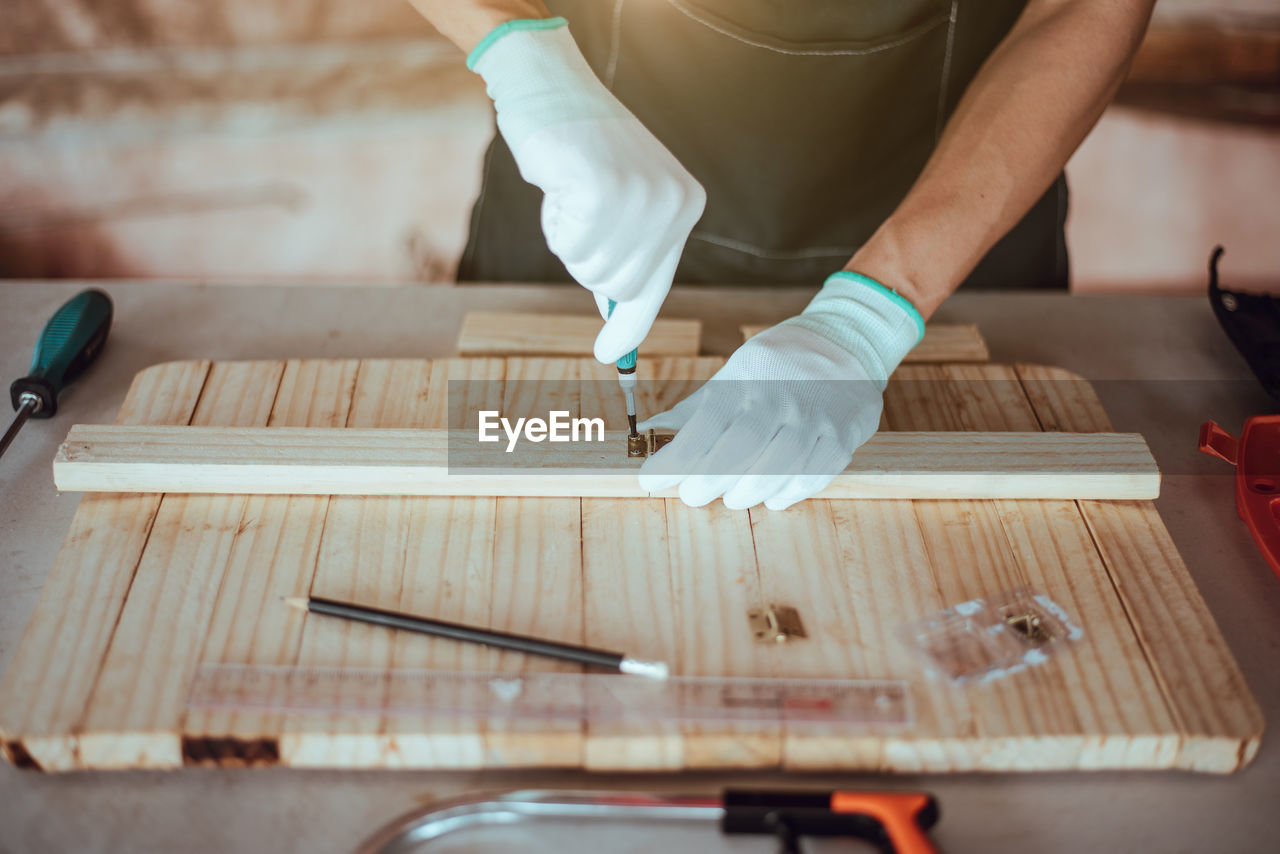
(350, 691)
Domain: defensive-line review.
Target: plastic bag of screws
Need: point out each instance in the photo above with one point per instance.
(992, 637)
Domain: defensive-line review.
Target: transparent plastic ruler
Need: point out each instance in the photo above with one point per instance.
(355, 692)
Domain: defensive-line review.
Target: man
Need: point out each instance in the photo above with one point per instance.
(908, 145)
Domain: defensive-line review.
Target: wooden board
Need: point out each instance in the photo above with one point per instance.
(942, 342)
(147, 588)
(511, 334)
(351, 461)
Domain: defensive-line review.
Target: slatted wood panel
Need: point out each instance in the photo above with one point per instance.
(501, 333)
(158, 586)
(942, 342)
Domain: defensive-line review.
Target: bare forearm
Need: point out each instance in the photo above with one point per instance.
(1026, 111)
(466, 22)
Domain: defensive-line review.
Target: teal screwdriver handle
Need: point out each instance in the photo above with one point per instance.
(70, 342)
(628, 362)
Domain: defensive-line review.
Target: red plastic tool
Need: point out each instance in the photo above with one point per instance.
(1256, 456)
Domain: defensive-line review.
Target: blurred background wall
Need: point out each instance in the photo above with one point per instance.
(320, 140)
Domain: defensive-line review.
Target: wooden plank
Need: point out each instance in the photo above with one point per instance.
(500, 333)
(715, 581)
(448, 574)
(135, 711)
(635, 557)
(1105, 687)
(629, 606)
(942, 342)
(891, 583)
(421, 555)
(971, 558)
(47, 686)
(1030, 465)
(537, 566)
(274, 555)
(799, 561)
(1205, 690)
(627, 596)
(1063, 401)
(1112, 690)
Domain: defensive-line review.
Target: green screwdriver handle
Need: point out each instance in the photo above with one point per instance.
(627, 363)
(70, 342)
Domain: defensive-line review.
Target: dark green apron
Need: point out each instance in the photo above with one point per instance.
(806, 121)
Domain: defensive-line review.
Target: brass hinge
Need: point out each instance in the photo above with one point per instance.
(776, 624)
(647, 444)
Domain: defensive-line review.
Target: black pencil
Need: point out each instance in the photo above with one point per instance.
(502, 640)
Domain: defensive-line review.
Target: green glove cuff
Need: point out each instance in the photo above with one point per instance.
(508, 27)
(875, 324)
(899, 299)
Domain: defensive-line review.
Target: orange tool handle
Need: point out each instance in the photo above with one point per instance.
(900, 814)
(895, 821)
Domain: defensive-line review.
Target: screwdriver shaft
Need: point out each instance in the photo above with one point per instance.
(29, 404)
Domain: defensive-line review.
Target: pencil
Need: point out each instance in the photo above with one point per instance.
(502, 640)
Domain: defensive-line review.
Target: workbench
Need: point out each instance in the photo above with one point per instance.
(1160, 365)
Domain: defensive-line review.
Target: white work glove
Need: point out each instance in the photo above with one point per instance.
(784, 415)
(618, 206)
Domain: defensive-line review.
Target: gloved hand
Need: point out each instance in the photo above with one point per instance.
(786, 412)
(618, 206)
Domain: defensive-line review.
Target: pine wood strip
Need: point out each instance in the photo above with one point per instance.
(662, 383)
(1063, 400)
(645, 551)
(799, 561)
(942, 342)
(715, 582)
(629, 607)
(1030, 465)
(47, 685)
(274, 555)
(1221, 720)
(420, 555)
(971, 558)
(448, 574)
(627, 597)
(622, 562)
(135, 711)
(1113, 690)
(1206, 692)
(537, 574)
(1109, 688)
(891, 583)
(501, 333)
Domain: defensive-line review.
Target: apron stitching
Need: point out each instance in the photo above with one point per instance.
(761, 252)
(615, 44)
(946, 71)
(851, 52)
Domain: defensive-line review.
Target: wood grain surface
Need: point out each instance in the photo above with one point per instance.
(502, 333)
(942, 342)
(350, 461)
(147, 588)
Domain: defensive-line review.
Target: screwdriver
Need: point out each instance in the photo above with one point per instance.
(627, 379)
(70, 342)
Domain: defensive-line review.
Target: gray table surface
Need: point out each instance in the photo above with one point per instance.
(1162, 367)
